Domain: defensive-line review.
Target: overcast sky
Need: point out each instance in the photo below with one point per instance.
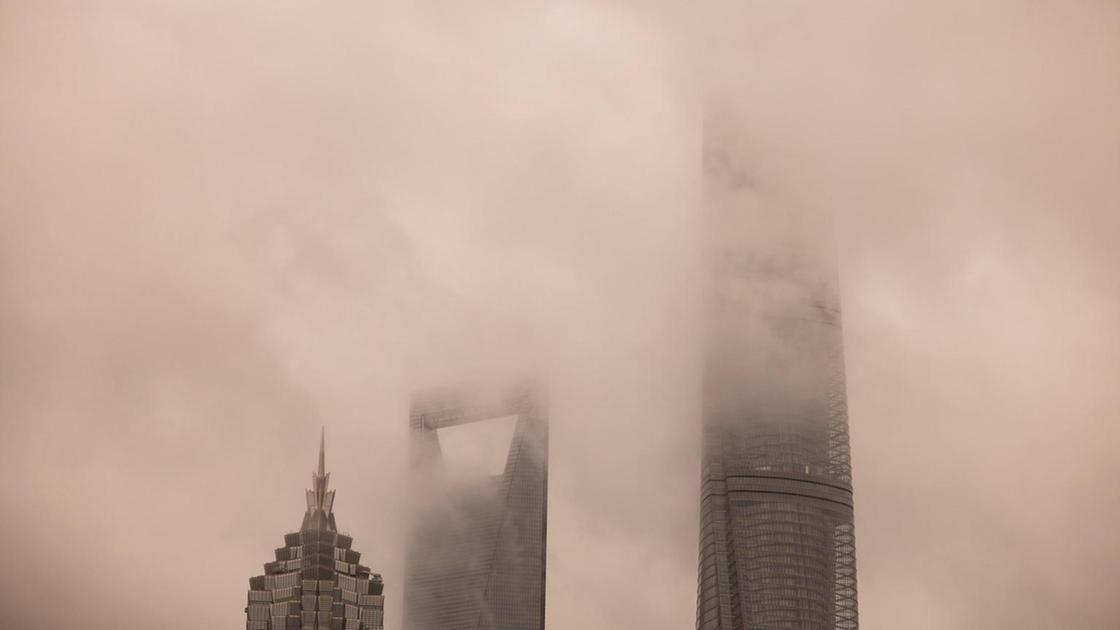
(223, 225)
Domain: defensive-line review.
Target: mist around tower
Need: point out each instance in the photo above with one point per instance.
(595, 315)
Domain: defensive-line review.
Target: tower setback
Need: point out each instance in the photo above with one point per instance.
(316, 581)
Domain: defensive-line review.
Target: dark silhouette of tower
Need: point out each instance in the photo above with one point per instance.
(316, 581)
(476, 554)
(777, 546)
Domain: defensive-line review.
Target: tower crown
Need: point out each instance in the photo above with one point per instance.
(320, 501)
(317, 581)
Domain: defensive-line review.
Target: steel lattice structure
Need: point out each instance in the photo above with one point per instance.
(777, 542)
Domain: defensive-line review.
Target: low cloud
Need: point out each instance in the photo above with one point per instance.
(222, 227)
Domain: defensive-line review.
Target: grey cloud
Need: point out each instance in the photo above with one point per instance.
(222, 226)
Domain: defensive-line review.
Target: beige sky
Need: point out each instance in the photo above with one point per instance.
(225, 224)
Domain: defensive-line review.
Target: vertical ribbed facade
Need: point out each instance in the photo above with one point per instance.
(777, 546)
(476, 554)
(316, 581)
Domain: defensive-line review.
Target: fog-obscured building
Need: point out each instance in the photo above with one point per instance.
(777, 542)
(316, 581)
(476, 551)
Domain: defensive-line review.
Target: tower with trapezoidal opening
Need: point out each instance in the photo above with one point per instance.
(476, 553)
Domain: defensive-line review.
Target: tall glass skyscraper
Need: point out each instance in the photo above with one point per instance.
(316, 581)
(777, 546)
(476, 554)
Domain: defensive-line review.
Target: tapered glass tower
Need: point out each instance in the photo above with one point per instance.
(316, 581)
(777, 547)
(476, 554)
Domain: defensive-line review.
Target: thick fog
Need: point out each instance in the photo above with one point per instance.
(225, 225)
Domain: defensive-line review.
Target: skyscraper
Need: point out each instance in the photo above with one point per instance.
(476, 554)
(316, 581)
(777, 546)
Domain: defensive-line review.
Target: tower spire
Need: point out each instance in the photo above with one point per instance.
(322, 451)
(320, 500)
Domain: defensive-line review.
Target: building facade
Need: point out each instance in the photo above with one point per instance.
(777, 546)
(476, 553)
(317, 581)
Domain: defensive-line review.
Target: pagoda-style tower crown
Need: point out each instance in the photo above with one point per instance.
(319, 499)
(317, 581)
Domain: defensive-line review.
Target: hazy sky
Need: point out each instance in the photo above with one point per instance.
(225, 224)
